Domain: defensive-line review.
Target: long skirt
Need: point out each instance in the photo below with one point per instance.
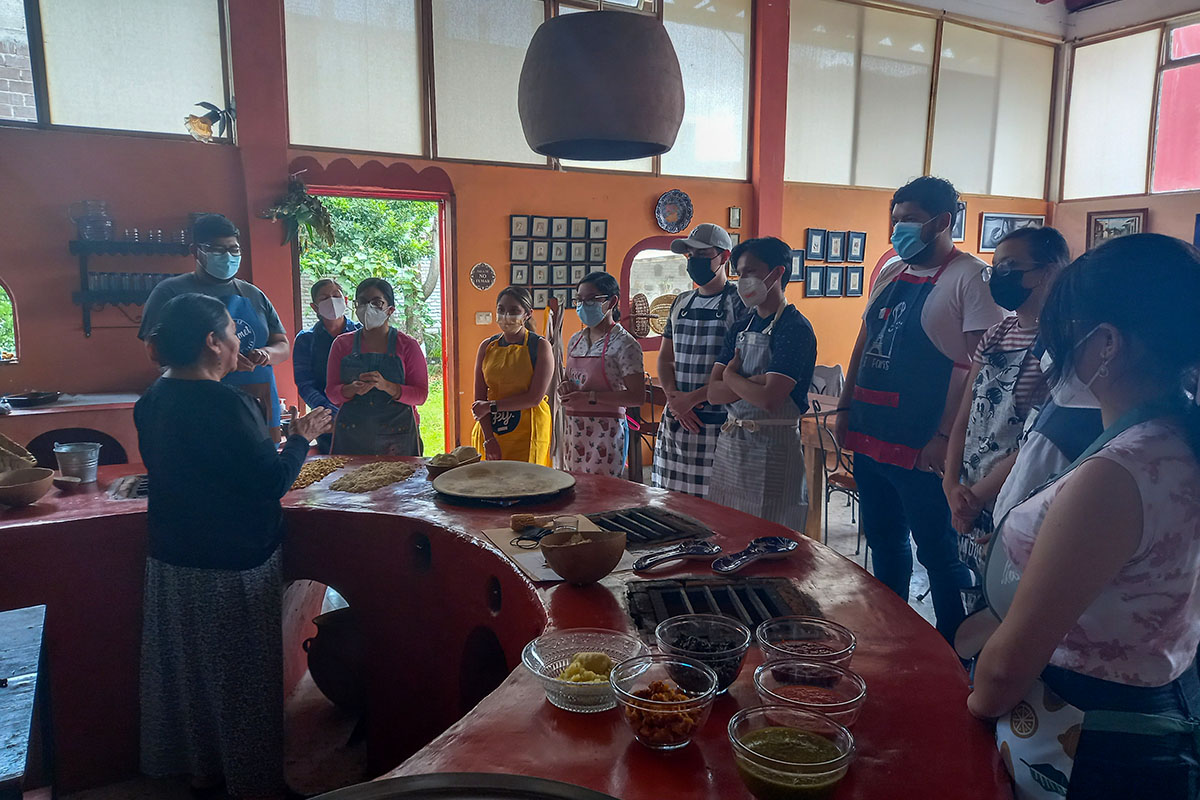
(212, 675)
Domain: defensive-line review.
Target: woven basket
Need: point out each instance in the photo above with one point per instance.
(660, 311)
(13, 456)
(639, 312)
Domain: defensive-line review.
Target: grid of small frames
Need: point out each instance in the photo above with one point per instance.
(550, 255)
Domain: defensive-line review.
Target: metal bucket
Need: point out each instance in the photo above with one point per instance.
(78, 460)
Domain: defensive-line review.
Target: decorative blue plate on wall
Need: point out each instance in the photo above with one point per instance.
(674, 211)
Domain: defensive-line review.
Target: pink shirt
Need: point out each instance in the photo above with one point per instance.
(416, 372)
(1144, 627)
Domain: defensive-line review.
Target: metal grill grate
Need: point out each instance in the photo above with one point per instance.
(650, 525)
(751, 600)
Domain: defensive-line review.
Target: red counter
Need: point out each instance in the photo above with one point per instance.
(446, 616)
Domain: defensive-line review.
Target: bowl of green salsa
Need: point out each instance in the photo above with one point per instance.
(787, 753)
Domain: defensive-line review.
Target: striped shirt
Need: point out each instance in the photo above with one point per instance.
(1007, 336)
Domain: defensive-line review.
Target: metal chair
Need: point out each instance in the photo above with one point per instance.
(839, 476)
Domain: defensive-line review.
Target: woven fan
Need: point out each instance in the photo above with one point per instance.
(639, 316)
(660, 311)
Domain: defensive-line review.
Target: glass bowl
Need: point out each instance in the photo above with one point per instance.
(818, 686)
(658, 722)
(810, 638)
(716, 641)
(787, 753)
(549, 654)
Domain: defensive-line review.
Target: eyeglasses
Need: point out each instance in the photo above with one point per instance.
(596, 300)
(209, 249)
(1005, 268)
(378, 303)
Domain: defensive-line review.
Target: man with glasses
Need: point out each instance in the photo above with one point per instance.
(922, 324)
(263, 339)
(693, 339)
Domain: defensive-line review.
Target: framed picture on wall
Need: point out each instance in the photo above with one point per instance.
(579, 228)
(994, 227)
(541, 275)
(560, 275)
(579, 251)
(518, 225)
(520, 275)
(559, 251)
(833, 281)
(519, 250)
(856, 246)
(541, 298)
(540, 252)
(539, 227)
(597, 268)
(814, 244)
(560, 227)
(735, 217)
(835, 246)
(562, 296)
(578, 271)
(1105, 225)
(796, 273)
(958, 231)
(814, 282)
(854, 281)
(735, 239)
(596, 252)
(597, 229)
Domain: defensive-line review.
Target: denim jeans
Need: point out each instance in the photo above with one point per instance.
(896, 503)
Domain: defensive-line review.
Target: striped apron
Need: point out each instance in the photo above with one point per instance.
(758, 466)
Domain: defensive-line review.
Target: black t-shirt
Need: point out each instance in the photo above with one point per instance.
(793, 348)
(215, 475)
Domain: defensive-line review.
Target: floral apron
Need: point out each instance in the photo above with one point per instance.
(758, 466)
(596, 434)
(1042, 737)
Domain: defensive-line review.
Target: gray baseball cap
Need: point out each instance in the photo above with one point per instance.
(703, 237)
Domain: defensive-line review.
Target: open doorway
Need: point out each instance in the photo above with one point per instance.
(400, 240)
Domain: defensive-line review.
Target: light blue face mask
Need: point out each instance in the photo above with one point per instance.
(906, 238)
(591, 313)
(222, 266)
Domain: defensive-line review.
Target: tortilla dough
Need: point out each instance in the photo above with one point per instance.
(502, 479)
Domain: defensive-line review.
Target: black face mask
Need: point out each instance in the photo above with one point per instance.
(700, 270)
(1007, 290)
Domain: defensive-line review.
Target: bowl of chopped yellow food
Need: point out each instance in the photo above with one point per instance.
(573, 665)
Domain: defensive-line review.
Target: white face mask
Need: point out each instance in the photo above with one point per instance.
(510, 323)
(332, 308)
(1070, 391)
(372, 317)
(752, 290)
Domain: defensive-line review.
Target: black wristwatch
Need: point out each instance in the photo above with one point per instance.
(492, 405)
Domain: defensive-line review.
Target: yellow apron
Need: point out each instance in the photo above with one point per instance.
(523, 435)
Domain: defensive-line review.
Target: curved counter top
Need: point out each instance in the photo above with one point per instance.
(445, 616)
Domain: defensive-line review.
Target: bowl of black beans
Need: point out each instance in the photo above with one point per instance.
(715, 641)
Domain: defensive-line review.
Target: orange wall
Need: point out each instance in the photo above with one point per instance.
(1170, 214)
(836, 319)
(148, 183)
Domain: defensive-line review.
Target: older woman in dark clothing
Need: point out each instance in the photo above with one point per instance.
(212, 663)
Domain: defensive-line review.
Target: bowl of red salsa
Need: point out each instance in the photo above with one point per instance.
(813, 638)
(787, 753)
(812, 685)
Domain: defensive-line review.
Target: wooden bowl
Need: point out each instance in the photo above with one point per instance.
(24, 486)
(584, 562)
(435, 471)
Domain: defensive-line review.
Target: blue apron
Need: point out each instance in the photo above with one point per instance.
(900, 391)
(373, 423)
(252, 333)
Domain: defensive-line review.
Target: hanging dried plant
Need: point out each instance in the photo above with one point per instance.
(303, 215)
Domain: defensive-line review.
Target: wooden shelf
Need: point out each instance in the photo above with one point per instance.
(120, 247)
(112, 297)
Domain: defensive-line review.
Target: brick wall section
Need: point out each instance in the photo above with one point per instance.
(16, 77)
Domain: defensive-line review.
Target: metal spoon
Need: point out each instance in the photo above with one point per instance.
(690, 548)
(762, 547)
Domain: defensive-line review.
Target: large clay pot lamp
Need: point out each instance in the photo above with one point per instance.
(601, 86)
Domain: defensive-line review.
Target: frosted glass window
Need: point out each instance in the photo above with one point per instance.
(991, 128)
(354, 74)
(478, 49)
(822, 75)
(893, 99)
(1108, 123)
(131, 64)
(712, 40)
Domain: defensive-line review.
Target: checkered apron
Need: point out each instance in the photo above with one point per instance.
(682, 459)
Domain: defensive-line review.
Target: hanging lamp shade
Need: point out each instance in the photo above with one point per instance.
(601, 86)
